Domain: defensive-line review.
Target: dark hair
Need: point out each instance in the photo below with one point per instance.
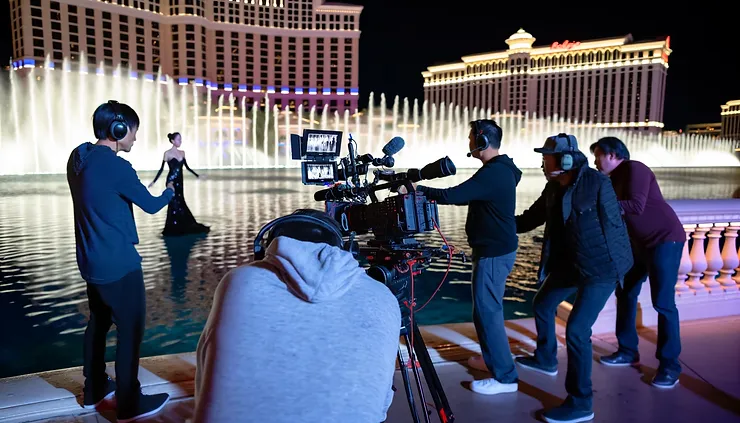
(309, 232)
(490, 129)
(104, 115)
(612, 145)
(172, 136)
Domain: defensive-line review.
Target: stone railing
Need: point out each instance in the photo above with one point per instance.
(708, 282)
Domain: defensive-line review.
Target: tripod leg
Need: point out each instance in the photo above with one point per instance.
(432, 379)
(415, 369)
(407, 386)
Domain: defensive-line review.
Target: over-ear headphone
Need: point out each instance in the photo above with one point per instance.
(118, 128)
(481, 140)
(566, 159)
(259, 247)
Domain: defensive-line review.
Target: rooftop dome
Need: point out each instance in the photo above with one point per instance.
(520, 40)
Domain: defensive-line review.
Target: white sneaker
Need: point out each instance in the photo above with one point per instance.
(477, 363)
(492, 387)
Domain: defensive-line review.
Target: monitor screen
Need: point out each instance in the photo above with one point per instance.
(321, 143)
(319, 173)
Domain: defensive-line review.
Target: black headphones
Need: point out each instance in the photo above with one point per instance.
(118, 128)
(481, 140)
(259, 248)
(566, 159)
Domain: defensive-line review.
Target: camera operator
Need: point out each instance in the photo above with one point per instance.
(302, 335)
(490, 195)
(585, 251)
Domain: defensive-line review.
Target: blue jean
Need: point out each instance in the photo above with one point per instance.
(590, 300)
(489, 283)
(661, 265)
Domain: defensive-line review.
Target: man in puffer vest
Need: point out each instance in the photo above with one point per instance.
(586, 251)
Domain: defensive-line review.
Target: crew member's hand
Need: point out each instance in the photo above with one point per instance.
(171, 185)
(403, 191)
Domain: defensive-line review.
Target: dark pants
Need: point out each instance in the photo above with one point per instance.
(122, 302)
(489, 283)
(590, 300)
(661, 265)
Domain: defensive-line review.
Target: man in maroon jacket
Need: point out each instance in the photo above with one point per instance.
(657, 238)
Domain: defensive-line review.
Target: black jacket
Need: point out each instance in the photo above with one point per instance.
(594, 238)
(490, 195)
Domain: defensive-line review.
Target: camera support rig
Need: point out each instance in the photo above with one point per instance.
(396, 263)
(394, 255)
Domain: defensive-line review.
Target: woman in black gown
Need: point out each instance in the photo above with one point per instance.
(180, 220)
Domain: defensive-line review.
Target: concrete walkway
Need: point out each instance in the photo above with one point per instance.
(709, 389)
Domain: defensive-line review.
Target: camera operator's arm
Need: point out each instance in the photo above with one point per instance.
(130, 187)
(533, 217)
(481, 186)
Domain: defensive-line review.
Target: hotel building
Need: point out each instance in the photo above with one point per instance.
(614, 82)
(712, 130)
(297, 51)
(731, 120)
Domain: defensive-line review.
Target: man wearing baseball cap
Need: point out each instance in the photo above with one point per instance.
(585, 251)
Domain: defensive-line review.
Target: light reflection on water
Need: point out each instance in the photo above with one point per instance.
(43, 304)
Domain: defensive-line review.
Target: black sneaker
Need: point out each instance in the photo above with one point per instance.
(619, 359)
(532, 364)
(664, 380)
(566, 413)
(149, 405)
(93, 399)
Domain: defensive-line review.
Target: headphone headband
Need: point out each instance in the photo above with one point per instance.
(259, 250)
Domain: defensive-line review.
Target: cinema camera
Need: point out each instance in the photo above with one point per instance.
(394, 256)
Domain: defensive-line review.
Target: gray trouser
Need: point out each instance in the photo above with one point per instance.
(489, 283)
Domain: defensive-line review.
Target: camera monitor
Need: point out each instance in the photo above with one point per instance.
(320, 143)
(319, 173)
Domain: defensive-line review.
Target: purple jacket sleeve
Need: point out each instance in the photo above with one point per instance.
(637, 188)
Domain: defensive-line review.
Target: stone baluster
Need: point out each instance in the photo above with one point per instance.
(730, 258)
(714, 258)
(698, 259)
(737, 270)
(685, 267)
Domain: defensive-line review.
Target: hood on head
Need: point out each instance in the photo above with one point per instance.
(83, 153)
(314, 272)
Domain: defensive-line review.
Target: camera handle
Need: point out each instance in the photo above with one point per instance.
(393, 186)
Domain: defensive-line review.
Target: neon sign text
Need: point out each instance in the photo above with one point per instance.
(565, 45)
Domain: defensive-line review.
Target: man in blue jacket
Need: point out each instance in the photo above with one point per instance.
(490, 195)
(104, 188)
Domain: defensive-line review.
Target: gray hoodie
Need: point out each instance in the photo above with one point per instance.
(302, 336)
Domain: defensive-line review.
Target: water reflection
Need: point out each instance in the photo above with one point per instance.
(43, 305)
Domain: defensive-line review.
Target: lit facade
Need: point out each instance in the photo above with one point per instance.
(298, 51)
(604, 83)
(708, 129)
(731, 120)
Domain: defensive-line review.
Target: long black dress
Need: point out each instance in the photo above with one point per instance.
(180, 220)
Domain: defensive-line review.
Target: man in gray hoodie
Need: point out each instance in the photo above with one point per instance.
(302, 335)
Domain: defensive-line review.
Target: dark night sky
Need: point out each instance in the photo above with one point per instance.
(400, 38)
